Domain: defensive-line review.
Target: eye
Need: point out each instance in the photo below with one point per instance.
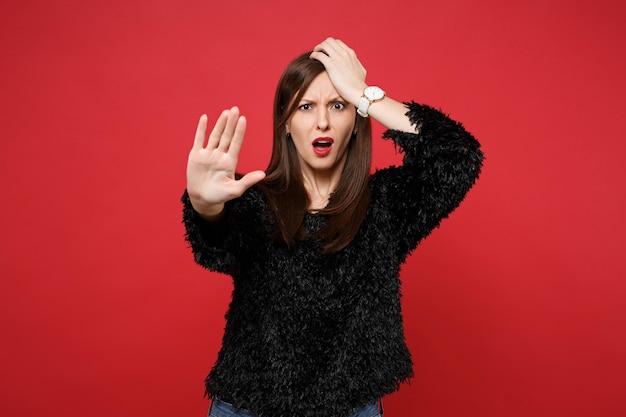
(338, 105)
(305, 106)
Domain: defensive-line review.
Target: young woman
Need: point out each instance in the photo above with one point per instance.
(314, 244)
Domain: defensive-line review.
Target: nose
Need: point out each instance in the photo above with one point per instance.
(322, 119)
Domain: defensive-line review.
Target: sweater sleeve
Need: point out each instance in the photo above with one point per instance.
(440, 165)
(211, 242)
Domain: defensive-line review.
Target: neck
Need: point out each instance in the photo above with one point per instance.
(319, 185)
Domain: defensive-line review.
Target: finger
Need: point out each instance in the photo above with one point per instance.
(229, 130)
(342, 45)
(319, 48)
(198, 141)
(324, 47)
(216, 133)
(343, 51)
(337, 46)
(321, 57)
(332, 53)
(250, 179)
(237, 141)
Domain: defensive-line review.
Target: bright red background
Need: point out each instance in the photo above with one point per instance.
(513, 308)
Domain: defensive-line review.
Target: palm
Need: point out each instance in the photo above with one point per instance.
(211, 167)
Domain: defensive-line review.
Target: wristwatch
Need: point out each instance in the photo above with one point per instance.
(370, 95)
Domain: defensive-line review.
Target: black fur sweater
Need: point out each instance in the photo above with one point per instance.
(318, 335)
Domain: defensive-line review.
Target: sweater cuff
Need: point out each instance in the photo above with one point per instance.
(199, 230)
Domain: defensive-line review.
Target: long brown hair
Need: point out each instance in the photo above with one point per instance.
(283, 183)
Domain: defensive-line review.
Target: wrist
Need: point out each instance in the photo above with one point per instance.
(356, 94)
(208, 212)
(370, 95)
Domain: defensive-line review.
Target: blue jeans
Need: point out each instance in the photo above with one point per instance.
(221, 409)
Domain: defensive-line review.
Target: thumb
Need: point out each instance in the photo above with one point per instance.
(251, 178)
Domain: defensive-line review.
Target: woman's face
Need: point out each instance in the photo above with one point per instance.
(321, 127)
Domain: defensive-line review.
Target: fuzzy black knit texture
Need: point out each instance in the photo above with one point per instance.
(317, 335)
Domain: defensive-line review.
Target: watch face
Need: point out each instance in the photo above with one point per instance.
(374, 93)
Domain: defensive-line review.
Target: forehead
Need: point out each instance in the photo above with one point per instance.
(321, 86)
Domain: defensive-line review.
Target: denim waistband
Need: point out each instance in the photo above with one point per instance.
(223, 409)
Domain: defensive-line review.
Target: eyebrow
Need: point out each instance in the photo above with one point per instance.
(310, 100)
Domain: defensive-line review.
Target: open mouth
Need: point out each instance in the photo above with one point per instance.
(322, 146)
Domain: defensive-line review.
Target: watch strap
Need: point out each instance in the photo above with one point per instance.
(364, 105)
